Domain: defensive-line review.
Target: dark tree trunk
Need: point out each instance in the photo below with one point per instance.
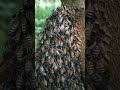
(98, 44)
(113, 12)
(79, 5)
(110, 10)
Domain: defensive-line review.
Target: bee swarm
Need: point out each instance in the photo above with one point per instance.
(58, 54)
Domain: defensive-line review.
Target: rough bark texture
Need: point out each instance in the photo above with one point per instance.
(80, 24)
(73, 4)
(97, 45)
(81, 30)
(113, 8)
(111, 13)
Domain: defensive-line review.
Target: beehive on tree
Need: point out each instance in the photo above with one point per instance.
(58, 55)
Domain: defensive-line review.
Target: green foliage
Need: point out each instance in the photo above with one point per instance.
(43, 9)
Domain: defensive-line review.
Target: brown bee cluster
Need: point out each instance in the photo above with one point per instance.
(97, 46)
(18, 58)
(58, 55)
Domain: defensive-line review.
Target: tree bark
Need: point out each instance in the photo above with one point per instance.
(112, 9)
(73, 4)
(79, 5)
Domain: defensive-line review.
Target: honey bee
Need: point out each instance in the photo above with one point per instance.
(68, 58)
(23, 28)
(60, 61)
(72, 64)
(52, 59)
(63, 78)
(29, 38)
(46, 54)
(77, 53)
(44, 37)
(19, 82)
(55, 67)
(100, 67)
(42, 48)
(96, 51)
(57, 52)
(28, 66)
(89, 67)
(14, 27)
(72, 54)
(45, 82)
(49, 57)
(17, 37)
(64, 50)
(66, 62)
(19, 55)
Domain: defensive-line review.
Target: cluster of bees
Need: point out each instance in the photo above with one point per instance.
(97, 43)
(57, 56)
(19, 51)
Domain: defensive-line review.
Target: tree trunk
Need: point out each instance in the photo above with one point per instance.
(98, 40)
(73, 4)
(110, 13)
(79, 5)
(112, 9)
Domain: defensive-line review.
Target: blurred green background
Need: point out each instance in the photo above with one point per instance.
(43, 9)
(7, 9)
